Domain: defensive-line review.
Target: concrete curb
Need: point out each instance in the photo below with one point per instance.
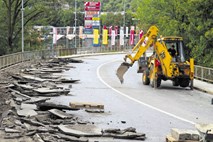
(91, 54)
(203, 90)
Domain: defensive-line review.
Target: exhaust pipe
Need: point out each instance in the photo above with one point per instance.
(122, 69)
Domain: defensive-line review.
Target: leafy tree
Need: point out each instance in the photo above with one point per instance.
(190, 19)
(200, 30)
(36, 12)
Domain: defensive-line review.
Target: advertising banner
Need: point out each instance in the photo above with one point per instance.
(95, 18)
(92, 21)
(121, 36)
(127, 31)
(105, 37)
(92, 8)
(113, 37)
(68, 30)
(81, 31)
(88, 26)
(95, 23)
(54, 35)
(140, 34)
(96, 36)
(88, 22)
(98, 4)
(87, 13)
(110, 30)
(88, 31)
(116, 30)
(87, 18)
(131, 37)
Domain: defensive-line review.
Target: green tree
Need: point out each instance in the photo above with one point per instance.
(36, 12)
(200, 31)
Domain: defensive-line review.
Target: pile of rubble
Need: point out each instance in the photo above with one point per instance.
(33, 117)
(204, 133)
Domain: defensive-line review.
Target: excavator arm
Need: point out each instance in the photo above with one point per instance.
(144, 43)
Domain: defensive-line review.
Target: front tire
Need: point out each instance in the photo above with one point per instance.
(145, 77)
(192, 84)
(158, 82)
(184, 82)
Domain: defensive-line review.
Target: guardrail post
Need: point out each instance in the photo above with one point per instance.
(201, 73)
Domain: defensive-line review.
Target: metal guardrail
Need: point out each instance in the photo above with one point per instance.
(11, 59)
(202, 73)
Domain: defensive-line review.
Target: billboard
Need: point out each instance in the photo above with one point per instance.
(93, 4)
(92, 20)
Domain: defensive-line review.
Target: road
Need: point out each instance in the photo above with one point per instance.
(132, 104)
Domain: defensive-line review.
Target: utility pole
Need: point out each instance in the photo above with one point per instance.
(75, 24)
(22, 26)
(124, 8)
(124, 20)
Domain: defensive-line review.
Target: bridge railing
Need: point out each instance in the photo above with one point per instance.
(15, 58)
(202, 73)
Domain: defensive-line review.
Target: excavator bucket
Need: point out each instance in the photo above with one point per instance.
(122, 69)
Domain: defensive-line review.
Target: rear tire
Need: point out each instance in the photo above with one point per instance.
(145, 77)
(184, 82)
(175, 83)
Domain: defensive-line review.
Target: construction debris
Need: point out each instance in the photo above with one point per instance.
(47, 106)
(26, 112)
(60, 113)
(87, 105)
(206, 132)
(31, 116)
(182, 135)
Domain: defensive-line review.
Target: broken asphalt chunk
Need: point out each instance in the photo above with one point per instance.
(67, 129)
(47, 106)
(27, 112)
(86, 105)
(60, 113)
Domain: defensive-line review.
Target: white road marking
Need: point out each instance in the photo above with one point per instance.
(140, 102)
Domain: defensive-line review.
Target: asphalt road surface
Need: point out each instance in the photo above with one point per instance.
(132, 104)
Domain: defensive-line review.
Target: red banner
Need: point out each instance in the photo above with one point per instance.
(140, 34)
(131, 37)
(87, 18)
(95, 4)
(91, 12)
(116, 30)
(110, 31)
(92, 8)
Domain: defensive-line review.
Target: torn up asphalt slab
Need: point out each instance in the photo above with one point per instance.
(27, 114)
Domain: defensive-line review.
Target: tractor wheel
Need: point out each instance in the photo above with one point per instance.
(175, 83)
(158, 83)
(145, 77)
(184, 82)
(192, 84)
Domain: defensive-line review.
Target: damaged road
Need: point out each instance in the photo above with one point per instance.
(95, 107)
(29, 112)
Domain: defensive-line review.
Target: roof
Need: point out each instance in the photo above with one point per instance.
(171, 38)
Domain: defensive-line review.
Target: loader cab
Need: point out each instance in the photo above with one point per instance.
(177, 42)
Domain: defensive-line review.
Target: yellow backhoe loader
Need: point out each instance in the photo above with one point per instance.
(162, 64)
